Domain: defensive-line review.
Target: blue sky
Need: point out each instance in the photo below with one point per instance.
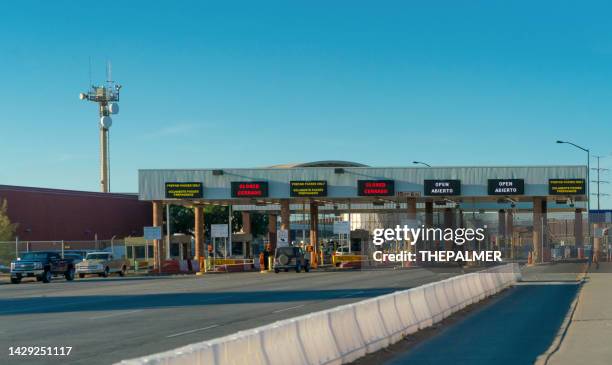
(246, 84)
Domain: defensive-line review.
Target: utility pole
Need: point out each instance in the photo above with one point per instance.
(599, 181)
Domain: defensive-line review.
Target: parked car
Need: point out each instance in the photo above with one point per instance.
(43, 265)
(286, 258)
(75, 257)
(101, 263)
(78, 255)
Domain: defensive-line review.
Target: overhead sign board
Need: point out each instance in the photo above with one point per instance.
(375, 187)
(152, 233)
(184, 190)
(566, 187)
(506, 187)
(218, 230)
(342, 227)
(311, 188)
(249, 189)
(442, 187)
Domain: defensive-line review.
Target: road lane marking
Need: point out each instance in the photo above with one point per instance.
(117, 314)
(288, 309)
(281, 288)
(192, 331)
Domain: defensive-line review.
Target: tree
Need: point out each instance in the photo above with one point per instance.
(216, 214)
(183, 219)
(7, 229)
(7, 233)
(259, 224)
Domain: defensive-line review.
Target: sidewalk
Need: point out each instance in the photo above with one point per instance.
(589, 337)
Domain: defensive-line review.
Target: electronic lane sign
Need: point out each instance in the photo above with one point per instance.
(249, 189)
(566, 187)
(375, 187)
(184, 190)
(442, 187)
(312, 188)
(506, 187)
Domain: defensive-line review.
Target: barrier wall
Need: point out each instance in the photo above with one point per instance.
(346, 333)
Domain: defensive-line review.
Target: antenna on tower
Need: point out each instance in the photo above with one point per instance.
(90, 82)
(109, 71)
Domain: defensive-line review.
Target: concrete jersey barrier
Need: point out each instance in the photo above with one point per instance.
(345, 333)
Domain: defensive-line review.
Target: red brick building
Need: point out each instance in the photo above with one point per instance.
(54, 214)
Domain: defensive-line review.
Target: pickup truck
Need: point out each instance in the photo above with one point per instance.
(43, 265)
(102, 264)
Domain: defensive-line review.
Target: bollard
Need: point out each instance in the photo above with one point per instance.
(530, 258)
(262, 263)
(202, 266)
(135, 266)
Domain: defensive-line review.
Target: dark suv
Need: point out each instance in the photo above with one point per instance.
(286, 258)
(42, 265)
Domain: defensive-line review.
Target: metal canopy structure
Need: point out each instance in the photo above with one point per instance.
(376, 197)
(342, 185)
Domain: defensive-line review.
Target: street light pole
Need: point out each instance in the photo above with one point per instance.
(421, 163)
(588, 190)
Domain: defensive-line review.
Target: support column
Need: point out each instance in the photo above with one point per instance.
(461, 223)
(449, 222)
(539, 228)
(597, 241)
(510, 232)
(546, 253)
(286, 218)
(501, 229)
(411, 211)
(246, 222)
(158, 245)
(272, 232)
(429, 220)
(314, 233)
(198, 229)
(578, 229)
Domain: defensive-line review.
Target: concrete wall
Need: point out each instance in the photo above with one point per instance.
(343, 334)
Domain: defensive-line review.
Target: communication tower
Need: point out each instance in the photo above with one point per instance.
(107, 97)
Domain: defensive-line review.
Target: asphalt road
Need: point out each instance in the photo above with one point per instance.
(107, 320)
(512, 330)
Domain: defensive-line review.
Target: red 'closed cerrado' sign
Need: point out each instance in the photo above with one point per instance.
(375, 187)
(249, 189)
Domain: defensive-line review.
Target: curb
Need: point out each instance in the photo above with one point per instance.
(567, 321)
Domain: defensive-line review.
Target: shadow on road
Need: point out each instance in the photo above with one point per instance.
(147, 301)
(515, 329)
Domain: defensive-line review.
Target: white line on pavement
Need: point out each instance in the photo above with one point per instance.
(287, 309)
(192, 331)
(117, 314)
